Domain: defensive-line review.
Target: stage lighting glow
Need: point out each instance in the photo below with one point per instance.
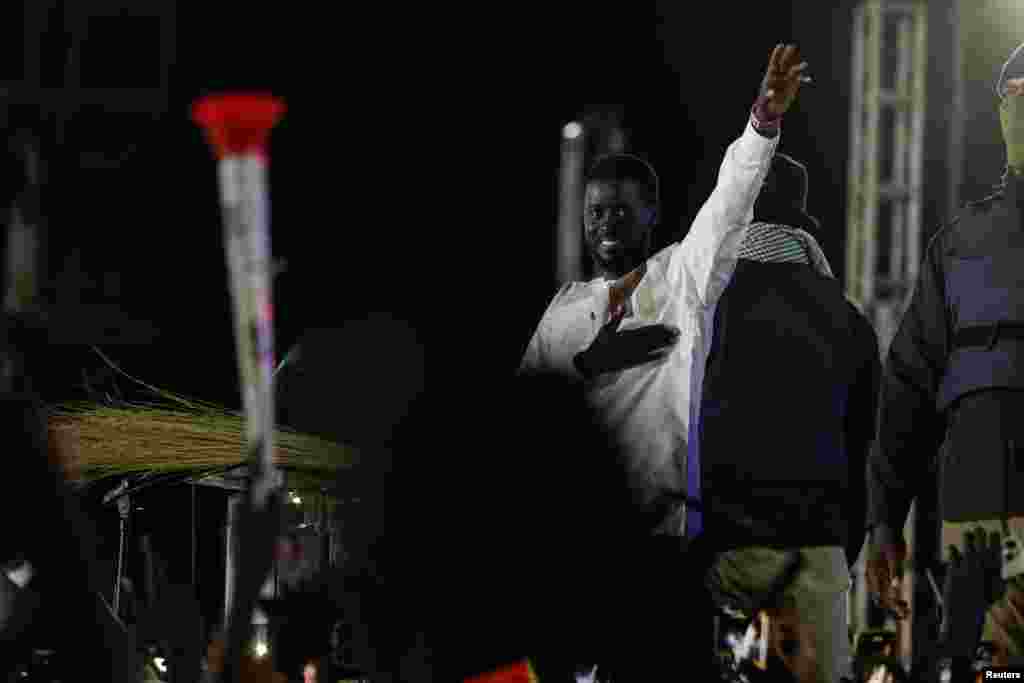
(572, 131)
(261, 649)
(161, 665)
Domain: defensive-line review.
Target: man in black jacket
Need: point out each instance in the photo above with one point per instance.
(954, 375)
(788, 414)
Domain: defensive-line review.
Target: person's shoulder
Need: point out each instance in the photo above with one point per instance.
(984, 205)
(663, 255)
(661, 260)
(964, 223)
(946, 238)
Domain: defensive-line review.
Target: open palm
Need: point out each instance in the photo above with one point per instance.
(782, 79)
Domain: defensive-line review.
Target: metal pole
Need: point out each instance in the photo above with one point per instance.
(194, 521)
(919, 99)
(855, 171)
(234, 508)
(123, 509)
(74, 18)
(958, 111)
(900, 224)
(570, 250)
(875, 26)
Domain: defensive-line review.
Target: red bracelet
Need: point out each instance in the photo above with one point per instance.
(761, 119)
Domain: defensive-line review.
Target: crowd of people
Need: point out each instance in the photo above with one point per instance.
(707, 439)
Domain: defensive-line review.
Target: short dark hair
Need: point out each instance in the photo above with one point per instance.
(619, 167)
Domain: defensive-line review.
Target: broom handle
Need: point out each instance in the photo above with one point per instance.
(246, 241)
(237, 128)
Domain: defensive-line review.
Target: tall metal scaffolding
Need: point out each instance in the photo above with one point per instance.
(886, 158)
(49, 102)
(885, 199)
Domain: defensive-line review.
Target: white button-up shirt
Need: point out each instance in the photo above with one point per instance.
(654, 407)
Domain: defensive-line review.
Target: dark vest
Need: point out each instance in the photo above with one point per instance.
(984, 287)
(776, 386)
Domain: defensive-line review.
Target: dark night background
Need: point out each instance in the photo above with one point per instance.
(415, 172)
(418, 173)
(683, 77)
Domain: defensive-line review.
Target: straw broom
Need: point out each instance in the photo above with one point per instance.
(172, 433)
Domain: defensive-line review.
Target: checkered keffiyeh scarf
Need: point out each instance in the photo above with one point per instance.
(773, 243)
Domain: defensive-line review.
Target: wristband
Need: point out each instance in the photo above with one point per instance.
(763, 121)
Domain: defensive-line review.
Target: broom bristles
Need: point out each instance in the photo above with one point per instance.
(193, 435)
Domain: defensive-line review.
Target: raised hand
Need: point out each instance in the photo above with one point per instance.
(782, 80)
(1008, 622)
(886, 554)
(971, 579)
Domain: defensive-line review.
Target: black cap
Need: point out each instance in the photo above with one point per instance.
(783, 197)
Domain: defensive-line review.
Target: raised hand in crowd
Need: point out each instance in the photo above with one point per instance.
(887, 553)
(972, 584)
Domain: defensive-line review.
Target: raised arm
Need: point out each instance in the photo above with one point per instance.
(707, 255)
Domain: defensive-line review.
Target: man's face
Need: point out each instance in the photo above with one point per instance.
(617, 224)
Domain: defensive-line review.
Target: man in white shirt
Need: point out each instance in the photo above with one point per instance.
(640, 332)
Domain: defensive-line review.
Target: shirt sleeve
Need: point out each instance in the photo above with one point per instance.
(706, 257)
(534, 358)
(541, 355)
(910, 427)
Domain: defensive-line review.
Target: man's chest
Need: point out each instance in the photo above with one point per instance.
(571, 327)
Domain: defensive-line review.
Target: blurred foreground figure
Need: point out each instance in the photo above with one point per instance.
(952, 389)
(788, 414)
(556, 563)
(365, 617)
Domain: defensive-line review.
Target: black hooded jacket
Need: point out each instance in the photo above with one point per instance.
(788, 409)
